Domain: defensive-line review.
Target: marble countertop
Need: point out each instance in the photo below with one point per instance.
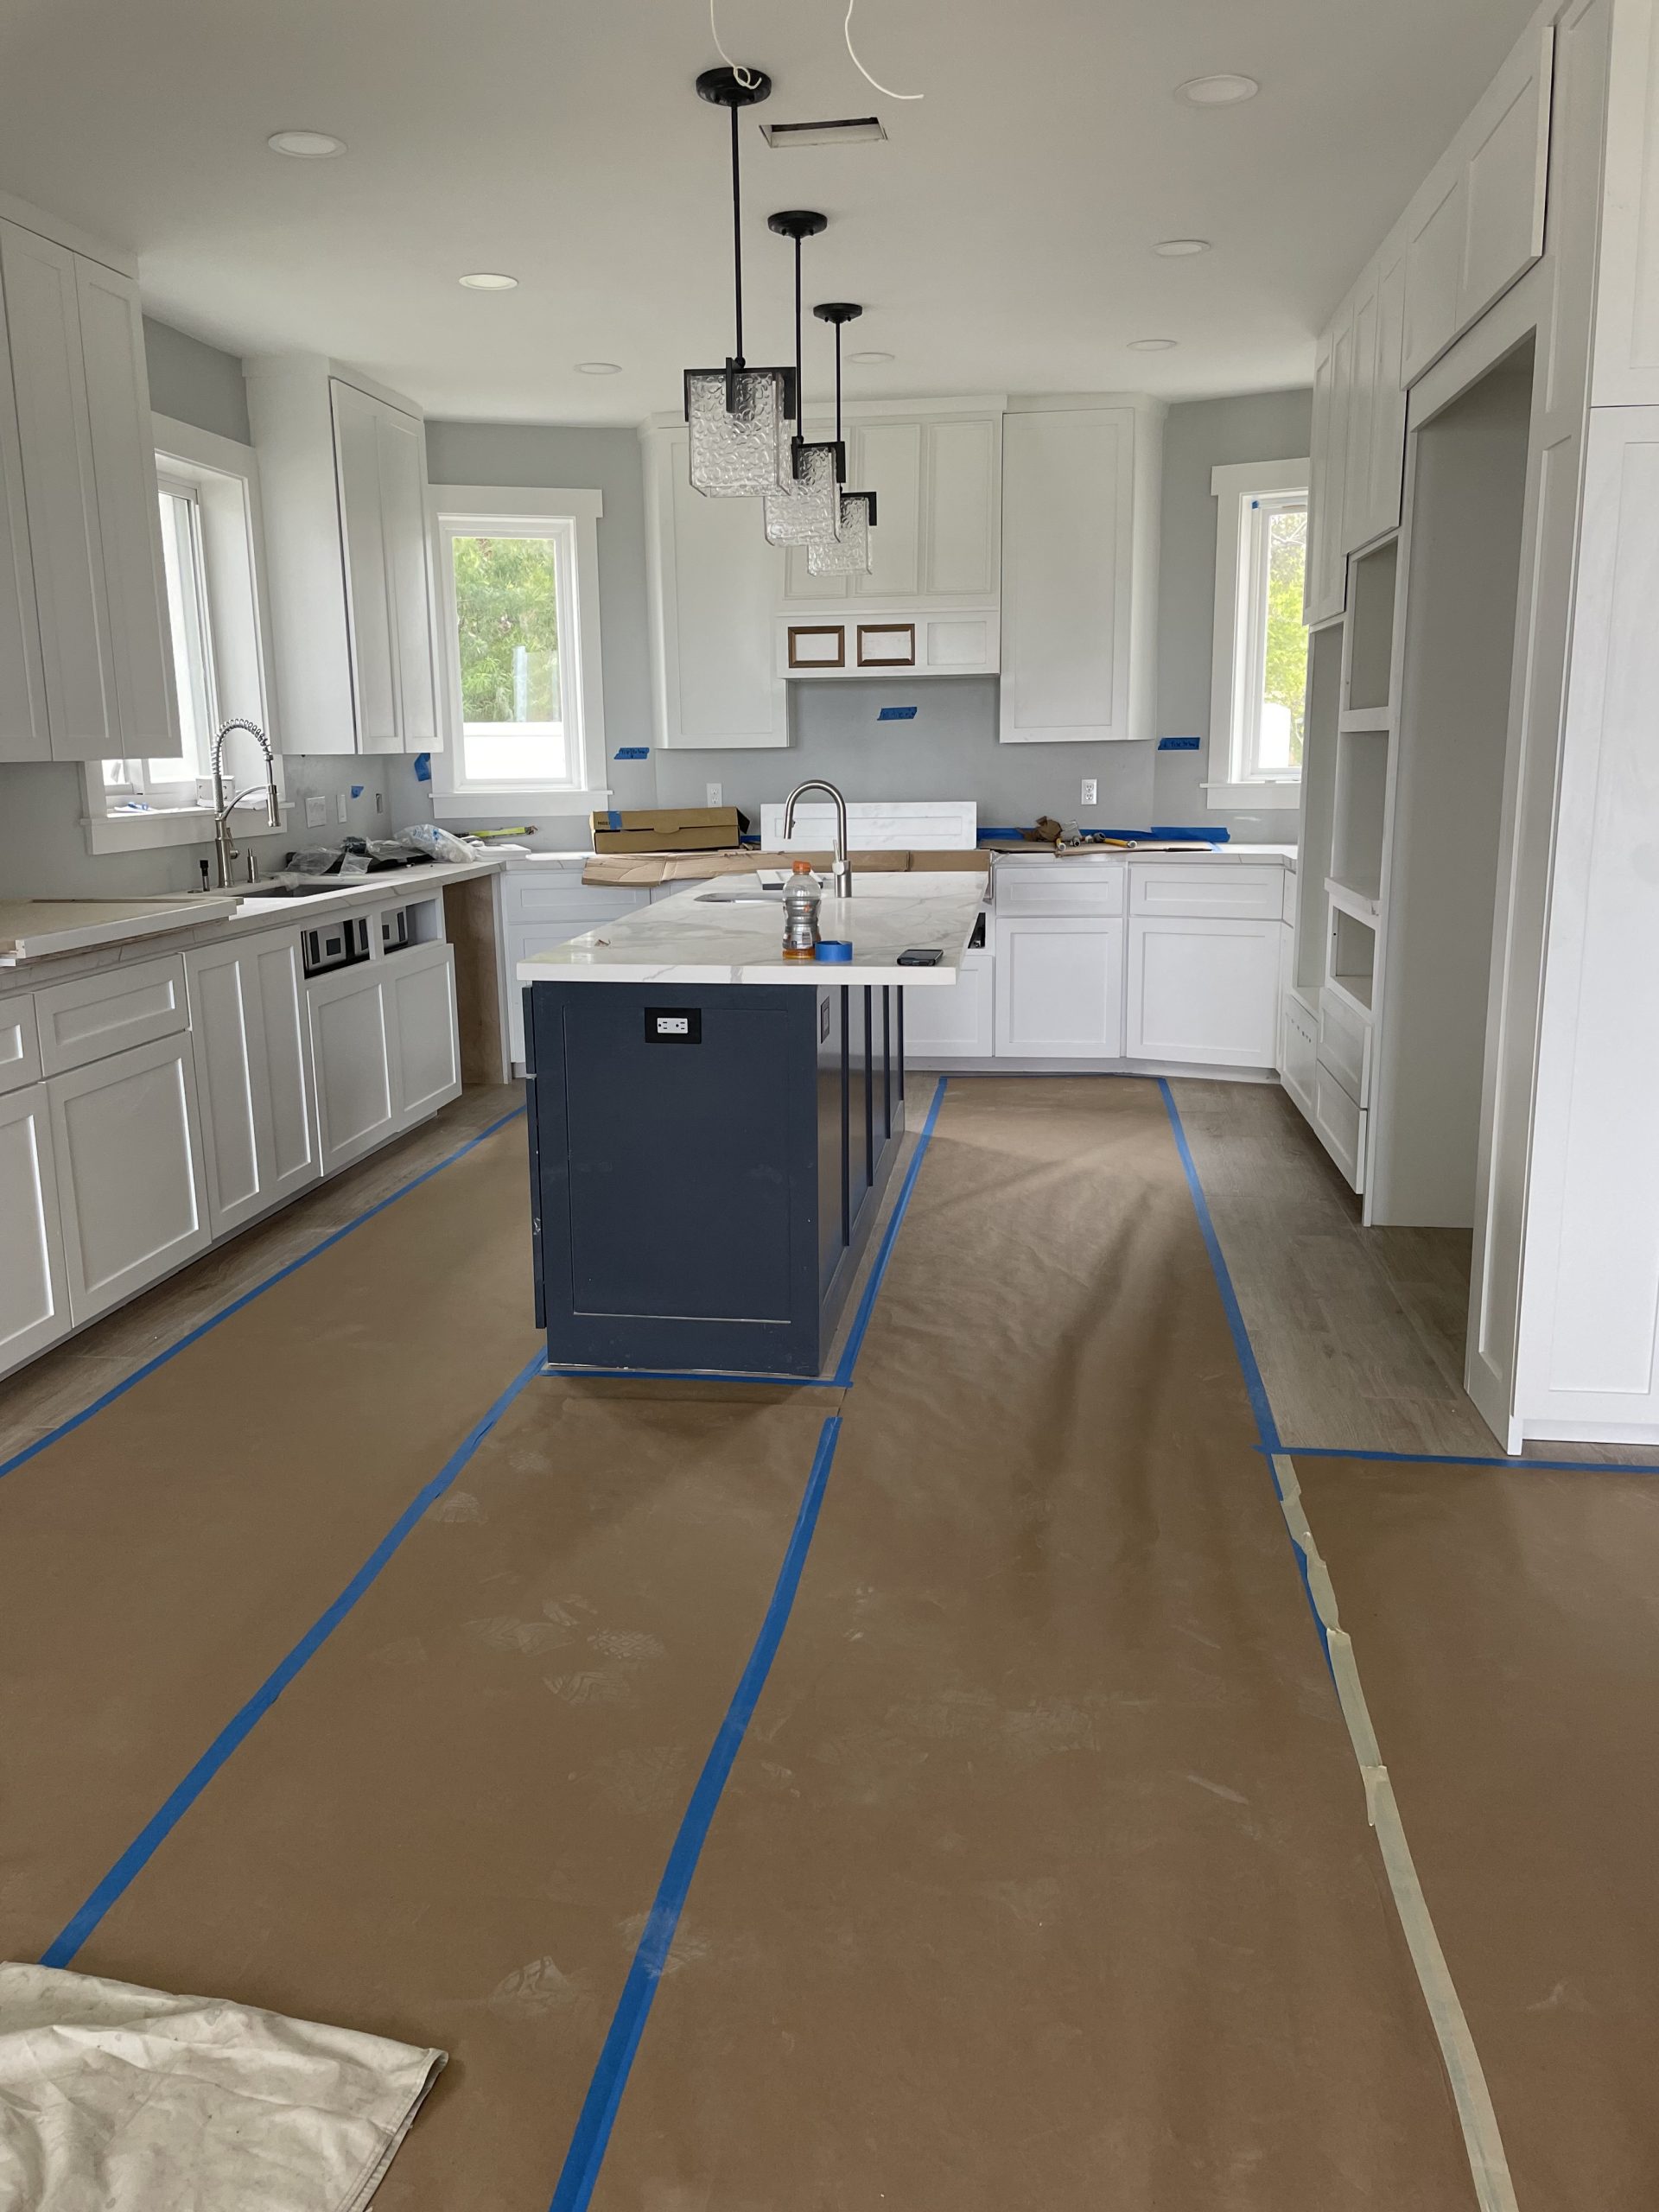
(731, 931)
(1044, 855)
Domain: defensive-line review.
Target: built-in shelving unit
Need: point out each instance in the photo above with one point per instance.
(1362, 783)
(1366, 701)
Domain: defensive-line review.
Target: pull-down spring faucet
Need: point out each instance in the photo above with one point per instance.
(224, 843)
(842, 870)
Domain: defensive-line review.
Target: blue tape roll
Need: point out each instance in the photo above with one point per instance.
(834, 948)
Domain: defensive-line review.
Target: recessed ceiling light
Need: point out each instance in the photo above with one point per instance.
(489, 280)
(305, 145)
(869, 361)
(1221, 91)
(1152, 345)
(599, 368)
(1179, 249)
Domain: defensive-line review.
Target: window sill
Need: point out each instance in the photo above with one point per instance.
(167, 825)
(493, 805)
(1252, 799)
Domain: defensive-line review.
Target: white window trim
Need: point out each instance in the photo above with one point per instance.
(583, 510)
(240, 621)
(1233, 485)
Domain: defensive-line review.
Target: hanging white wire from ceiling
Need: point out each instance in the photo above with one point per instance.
(886, 92)
(747, 78)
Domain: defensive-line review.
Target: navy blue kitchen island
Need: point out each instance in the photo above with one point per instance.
(710, 1136)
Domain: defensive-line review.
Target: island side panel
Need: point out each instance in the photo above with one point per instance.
(679, 1173)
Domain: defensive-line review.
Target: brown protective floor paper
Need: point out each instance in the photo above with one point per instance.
(1043, 1877)
(158, 1561)
(1504, 1627)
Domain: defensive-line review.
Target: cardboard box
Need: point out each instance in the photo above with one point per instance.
(668, 829)
(644, 870)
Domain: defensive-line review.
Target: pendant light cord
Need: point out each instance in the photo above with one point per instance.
(737, 239)
(800, 379)
(847, 32)
(747, 78)
(839, 448)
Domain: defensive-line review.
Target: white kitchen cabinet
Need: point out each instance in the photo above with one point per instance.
(109, 1011)
(85, 459)
(1080, 495)
(543, 905)
(33, 1292)
(419, 985)
(342, 470)
(253, 1075)
(714, 584)
(25, 726)
(1059, 987)
(942, 1025)
(380, 464)
(1203, 990)
(353, 1054)
(126, 1139)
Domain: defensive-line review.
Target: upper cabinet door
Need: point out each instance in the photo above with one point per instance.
(129, 518)
(56, 449)
(1067, 574)
(368, 598)
(25, 731)
(886, 458)
(1357, 523)
(401, 448)
(961, 507)
(1387, 454)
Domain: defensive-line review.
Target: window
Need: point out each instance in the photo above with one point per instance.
(209, 524)
(1260, 667)
(519, 578)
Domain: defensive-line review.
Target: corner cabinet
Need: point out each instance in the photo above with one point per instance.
(343, 486)
(1080, 534)
(85, 670)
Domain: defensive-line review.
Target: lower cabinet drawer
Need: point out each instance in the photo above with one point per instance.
(1061, 887)
(530, 896)
(20, 1044)
(110, 1011)
(1244, 890)
(1340, 1121)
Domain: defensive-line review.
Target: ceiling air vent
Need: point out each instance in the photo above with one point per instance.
(850, 130)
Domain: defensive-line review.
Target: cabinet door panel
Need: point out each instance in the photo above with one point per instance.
(961, 504)
(1507, 172)
(714, 584)
(886, 458)
(25, 729)
(1362, 401)
(1067, 498)
(293, 1159)
(351, 1055)
(43, 315)
(401, 447)
(1388, 455)
(129, 531)
(368, 598)
(229, 1046)
(34, 1298)
(128, 1147)
(1204, 991)
(1059, 989)
(421, 985)
(1433, 259)
(956, 1023)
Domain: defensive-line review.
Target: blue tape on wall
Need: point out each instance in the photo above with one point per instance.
(896, 715)
(632, 753)
(1178, 744)
(422, 768)
(613, 817)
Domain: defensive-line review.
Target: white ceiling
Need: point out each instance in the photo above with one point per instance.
(1001, 240)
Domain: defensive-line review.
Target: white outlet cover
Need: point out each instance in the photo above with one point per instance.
(712, 795)
(339, 806)
(1090, 790)
(316, 813)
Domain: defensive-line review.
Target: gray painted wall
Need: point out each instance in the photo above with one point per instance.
(195, 383)
(1199, 436)
(610, 462)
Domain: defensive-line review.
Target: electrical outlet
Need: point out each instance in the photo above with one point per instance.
(339, 806)
(713, 796)
(1090, 790)
(316, 813)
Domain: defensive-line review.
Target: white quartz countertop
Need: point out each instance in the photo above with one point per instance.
(1139, 856)
(731, 931)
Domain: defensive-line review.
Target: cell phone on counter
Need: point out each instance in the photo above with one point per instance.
(921, 955)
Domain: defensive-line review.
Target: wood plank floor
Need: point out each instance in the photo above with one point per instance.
(1359, 1333)
(53, 1388)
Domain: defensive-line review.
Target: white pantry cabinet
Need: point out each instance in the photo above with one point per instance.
(1080, 527)
(1059, 987)
(76, 441)
(253, 1075)
(34, 1293)
(1203, 990)
(126, 1141)
(343, 487)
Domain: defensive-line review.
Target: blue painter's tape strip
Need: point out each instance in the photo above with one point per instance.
(896, 715)
(598, 2116)
(1178, 744)
(143, 1849)
(1516, 1464)
(192, 1336)
(613, 817)
(1190, 836)
(632, 753)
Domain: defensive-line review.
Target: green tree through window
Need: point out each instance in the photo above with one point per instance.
(1284, 682)
(507, 606)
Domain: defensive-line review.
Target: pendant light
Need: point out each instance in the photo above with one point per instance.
(739, 417)
(811, 508)
(849, 553)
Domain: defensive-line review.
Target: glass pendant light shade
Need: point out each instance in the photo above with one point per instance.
(743, 451)
(811, 508)
(849, 554)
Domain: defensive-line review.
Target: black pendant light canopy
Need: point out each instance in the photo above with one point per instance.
(848, 554)
(741, 440)
(811, 508)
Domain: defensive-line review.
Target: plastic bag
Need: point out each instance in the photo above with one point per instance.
(428, 838)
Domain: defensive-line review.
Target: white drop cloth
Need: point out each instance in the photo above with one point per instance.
(114, 2099)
